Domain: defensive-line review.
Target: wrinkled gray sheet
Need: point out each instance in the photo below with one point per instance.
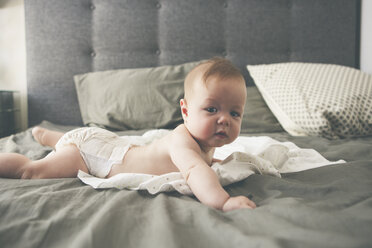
(324, 207)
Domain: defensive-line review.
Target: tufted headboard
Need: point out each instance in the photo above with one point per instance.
(70, 37)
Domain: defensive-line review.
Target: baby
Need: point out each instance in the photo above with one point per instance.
(212, 110)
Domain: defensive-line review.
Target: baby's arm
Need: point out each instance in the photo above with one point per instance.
(238, 202)
(203, 181)
(200, 177)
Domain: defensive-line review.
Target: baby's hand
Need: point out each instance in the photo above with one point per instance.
(238, 202)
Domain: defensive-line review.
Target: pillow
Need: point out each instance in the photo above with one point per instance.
(310, 99)
(132, 99)
(257, 117)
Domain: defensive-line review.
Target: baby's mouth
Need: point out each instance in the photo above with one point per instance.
(221, 134)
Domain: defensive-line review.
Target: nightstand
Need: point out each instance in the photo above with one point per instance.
(9, 112)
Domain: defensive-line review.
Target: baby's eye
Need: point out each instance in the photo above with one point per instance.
(234, 114)
(211, 109)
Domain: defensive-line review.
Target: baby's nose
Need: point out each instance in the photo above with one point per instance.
(223, 120)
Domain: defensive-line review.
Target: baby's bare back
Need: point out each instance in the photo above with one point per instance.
(151, 159)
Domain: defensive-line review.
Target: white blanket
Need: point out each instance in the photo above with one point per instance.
(242, 158)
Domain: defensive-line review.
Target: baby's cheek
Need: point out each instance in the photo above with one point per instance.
(207, 129)
(236, 131)
(201, 129)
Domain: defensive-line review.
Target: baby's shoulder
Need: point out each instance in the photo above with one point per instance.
(181, 138)
(180, 133)
(180, 130)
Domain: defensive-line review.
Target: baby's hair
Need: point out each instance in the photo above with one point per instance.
(217, 66)
(221, 67)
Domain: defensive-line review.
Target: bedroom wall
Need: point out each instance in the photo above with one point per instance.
(366, 37)
(13, 52)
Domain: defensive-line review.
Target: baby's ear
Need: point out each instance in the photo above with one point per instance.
(183, 106)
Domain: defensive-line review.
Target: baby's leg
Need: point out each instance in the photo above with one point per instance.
(46, 137)
(65, 162)
(11, 164)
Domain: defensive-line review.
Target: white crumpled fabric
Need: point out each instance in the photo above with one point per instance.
(240, 159)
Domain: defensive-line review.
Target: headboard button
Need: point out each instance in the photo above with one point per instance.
(157, 52)
(92, 7)
(93, 54)
(158, 5)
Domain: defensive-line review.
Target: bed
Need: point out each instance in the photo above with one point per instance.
(78, 49)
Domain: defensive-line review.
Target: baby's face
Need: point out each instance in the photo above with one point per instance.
(214, 111)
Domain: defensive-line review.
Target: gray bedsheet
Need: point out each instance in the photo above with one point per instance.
(324, 207)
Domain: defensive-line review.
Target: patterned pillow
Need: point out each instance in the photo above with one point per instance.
(326, 100)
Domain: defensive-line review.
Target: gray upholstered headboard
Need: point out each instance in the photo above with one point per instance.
(71, 37)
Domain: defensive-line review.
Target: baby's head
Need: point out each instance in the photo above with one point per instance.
(213, 104)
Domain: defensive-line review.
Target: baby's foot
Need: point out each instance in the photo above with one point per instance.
(38, 133)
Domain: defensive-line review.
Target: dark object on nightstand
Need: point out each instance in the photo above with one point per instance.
(8, 113)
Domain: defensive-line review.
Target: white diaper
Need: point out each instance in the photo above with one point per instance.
(100, 149)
